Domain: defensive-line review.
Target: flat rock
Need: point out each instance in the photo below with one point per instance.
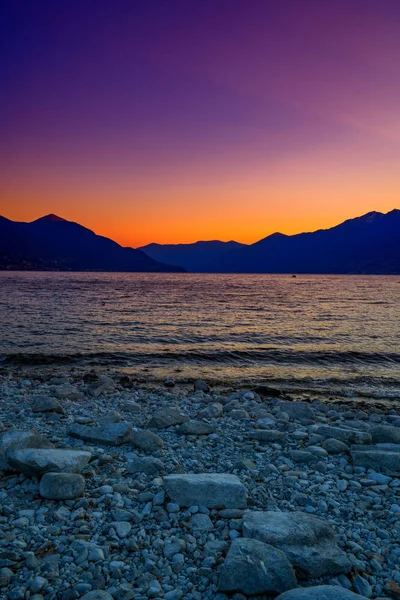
(253, 567)
(335, 446)
(146, 440)
(351, 436)
(44, 404)
(144, 464)
(383, 461)
(19, 439)
(34, 462)
(112, 434)
(321, 592)
(166, 417)
(61, 486)
(196, 428)
(296, 410)
(301, 456)
(308, 542)
(267, 435)
(208, 489)
(385, 435)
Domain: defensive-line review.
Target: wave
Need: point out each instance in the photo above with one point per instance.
(225, 357)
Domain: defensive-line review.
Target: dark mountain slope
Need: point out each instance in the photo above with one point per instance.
(52, 243)
(367, 244)
(193, 257)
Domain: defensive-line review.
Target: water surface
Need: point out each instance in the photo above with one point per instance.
(334, 335)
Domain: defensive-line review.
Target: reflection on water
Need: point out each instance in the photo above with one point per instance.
(337, 334)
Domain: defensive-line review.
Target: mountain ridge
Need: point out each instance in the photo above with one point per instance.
(52, 243)
(369, 244)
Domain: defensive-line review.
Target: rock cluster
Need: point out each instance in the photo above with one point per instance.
(114, 491)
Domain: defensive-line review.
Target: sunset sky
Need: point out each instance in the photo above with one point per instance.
(179, 120)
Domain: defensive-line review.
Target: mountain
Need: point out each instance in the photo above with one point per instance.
(369, 244)
(52, 243)
(195, 257)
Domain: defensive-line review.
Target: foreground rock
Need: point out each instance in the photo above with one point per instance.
(112, 434)
(166, 418)
(17, 439)
(144, 464)
(321, 592)
(348, 436)
(308, 542)
(208, 489)
(383, 461)
(61, 486)
(44, 404)
(34, 462)
(147, 441)
(385, 435)
(253, 567)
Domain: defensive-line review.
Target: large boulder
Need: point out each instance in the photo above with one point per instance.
(34, 462)
(61, 486)
(208, 489)
(308, 542)
(253, 567)
(385, 435)
(112, 434)
(147, 441)
(348, 436)
(166, 417)
(383, 461)
(18, 439)
(321, 592)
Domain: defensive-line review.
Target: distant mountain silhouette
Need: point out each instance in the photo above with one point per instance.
(195, 257)
(52, 243)
(369, 244)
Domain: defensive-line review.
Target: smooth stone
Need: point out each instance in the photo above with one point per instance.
(201, 522)
(201, 386)
(296, 410)
(383, 461)
(208, 489)
(61, 486)
(146, 440)
(144, 464)
(34, 462)
(19, 439)
(44, 404)
(112, 434)
(308, 542)
(301, 456)
(335, 446)
(342, 434)
(320, 592)
(166, 417)
(253, 567)
(385, 435)
(267, 435)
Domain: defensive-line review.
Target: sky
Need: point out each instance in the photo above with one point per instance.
(179, 120)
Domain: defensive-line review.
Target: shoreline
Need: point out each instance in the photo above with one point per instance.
(131, 537)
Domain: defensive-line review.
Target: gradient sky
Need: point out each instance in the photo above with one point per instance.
(179, 120)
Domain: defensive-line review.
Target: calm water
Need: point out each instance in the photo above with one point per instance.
(334, 335)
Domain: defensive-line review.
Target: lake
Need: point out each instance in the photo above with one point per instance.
(332, 336)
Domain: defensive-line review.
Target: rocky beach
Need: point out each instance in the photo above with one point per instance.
(112, 489)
